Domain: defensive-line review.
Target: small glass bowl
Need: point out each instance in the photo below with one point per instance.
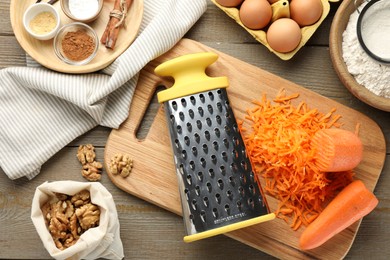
(34, 10)
(81, 15)
(74, 27)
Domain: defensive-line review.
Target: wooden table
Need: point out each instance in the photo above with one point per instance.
(149, 232)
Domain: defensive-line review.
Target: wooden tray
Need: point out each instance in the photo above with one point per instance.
(43, 52)
(153, 177)
(339, 24)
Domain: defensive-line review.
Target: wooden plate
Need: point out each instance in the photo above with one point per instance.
(339, 24)
(43, 52)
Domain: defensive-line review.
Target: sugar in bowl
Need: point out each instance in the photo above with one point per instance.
(84, 11)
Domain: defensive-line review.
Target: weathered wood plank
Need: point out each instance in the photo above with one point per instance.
(5, 23)
(220, 27)
(11, 53)
(149, 232)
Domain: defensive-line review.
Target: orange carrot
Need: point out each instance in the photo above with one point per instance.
(337, 150)
(278, 143)
(351, 204)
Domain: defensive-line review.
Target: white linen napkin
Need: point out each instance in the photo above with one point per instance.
(102, 241)
(41, 111)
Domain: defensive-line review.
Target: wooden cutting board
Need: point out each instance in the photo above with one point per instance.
(153, 177)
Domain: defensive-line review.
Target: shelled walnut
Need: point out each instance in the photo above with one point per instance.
(68, 217)
(88, 215)
(91, 169)
(121, 164)
(86, 154)
(81, 198)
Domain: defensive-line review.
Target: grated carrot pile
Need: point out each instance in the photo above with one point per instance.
(279, 147)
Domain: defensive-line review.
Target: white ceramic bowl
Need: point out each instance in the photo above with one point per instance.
(35, 9)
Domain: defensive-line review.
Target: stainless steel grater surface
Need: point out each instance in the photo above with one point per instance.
(217, 185)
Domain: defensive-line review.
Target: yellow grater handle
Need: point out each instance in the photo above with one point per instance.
(189, 74)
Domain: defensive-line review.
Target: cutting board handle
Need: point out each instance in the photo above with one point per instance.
(143, 96)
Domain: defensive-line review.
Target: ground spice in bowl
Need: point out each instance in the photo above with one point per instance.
(78, 45)
(43, 23)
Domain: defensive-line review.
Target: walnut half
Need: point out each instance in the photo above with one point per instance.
(121, 164)
(86, 153)
(91, 169)
(81, 198)
(88, 216)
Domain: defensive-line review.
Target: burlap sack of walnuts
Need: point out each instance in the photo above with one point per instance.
(102, 241)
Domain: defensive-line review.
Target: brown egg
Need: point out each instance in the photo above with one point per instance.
(284, 35)
(229, 3)
(305, 12)
(255, 14)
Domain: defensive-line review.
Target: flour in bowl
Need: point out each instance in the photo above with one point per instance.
(366, 71)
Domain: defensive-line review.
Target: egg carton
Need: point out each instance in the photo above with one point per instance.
(260, 35)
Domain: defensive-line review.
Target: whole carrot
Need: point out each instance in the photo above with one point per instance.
(352, 203)
(336, 150)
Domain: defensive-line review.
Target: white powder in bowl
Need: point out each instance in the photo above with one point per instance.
(83, 9)
(366, 71)
(376, 29)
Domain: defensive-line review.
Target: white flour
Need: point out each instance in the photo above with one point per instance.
(367, 72)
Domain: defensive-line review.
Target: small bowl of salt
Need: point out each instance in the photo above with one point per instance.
(84, 11)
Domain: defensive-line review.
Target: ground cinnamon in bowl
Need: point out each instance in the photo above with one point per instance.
(76, 43)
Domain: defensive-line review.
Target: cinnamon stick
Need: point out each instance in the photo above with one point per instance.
(117, 16)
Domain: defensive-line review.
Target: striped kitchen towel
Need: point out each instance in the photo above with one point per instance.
(41, 111)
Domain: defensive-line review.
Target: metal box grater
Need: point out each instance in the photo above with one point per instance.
(217, 185)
